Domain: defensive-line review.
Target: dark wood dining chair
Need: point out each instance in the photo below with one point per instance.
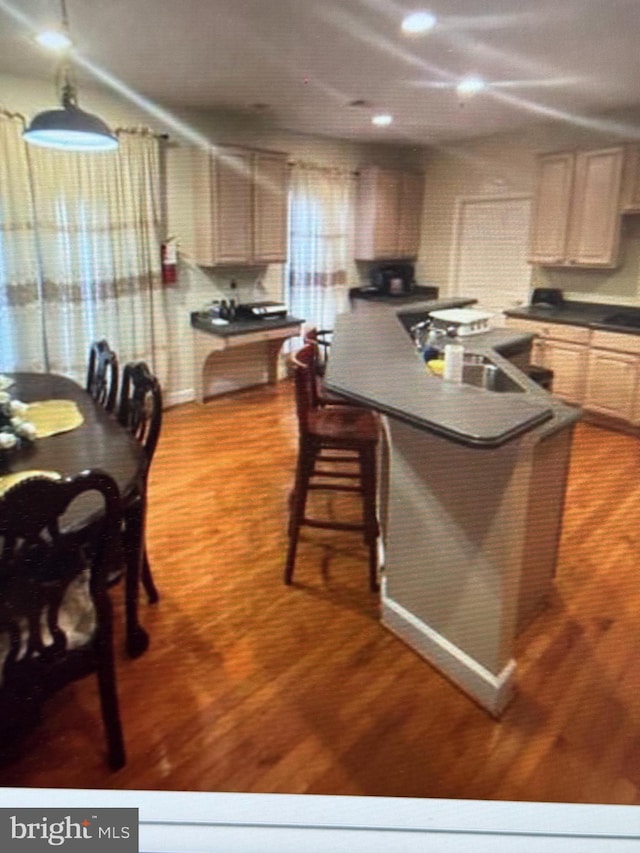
(140, 412)
(55, 611)
(102, 375)
(336, 451)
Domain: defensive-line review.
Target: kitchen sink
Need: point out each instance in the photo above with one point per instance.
(481, 372)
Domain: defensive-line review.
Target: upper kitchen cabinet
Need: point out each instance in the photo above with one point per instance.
(270, 185)
(388, 214)
(551, 206)
(577, 208)
(228, 206)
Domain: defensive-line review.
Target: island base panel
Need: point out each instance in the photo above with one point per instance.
(492, 692)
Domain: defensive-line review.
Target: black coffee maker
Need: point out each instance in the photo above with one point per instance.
(393, 279)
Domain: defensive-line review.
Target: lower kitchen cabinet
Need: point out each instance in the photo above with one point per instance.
(596, 369)
(568, 362)
(563, 349)
(612, 379)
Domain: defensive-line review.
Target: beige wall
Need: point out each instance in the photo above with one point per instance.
(504, 164)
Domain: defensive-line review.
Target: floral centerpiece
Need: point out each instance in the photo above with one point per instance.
(15, 429)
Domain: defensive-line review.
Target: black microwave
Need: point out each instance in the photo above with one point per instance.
(393, 279)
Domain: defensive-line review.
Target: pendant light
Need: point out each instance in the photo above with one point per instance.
(69, 128)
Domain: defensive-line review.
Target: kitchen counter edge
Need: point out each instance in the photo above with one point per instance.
(366, 355)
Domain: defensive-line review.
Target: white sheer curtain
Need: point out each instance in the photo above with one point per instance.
(96, 227)
(21, 326)
(320, 242)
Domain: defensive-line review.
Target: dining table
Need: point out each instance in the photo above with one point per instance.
(93, 439)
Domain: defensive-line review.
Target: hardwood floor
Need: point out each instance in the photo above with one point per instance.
(249, 685)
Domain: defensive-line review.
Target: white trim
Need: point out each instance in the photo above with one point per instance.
(492, 692)
(177, 398)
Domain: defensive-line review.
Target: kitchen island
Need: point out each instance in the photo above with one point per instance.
(471, 495)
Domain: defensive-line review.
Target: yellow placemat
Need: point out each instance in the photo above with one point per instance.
(53, 416)
(9, 480)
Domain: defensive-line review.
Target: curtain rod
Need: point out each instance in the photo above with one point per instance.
(140, 129)
(8, 114)
(143, 131)
(320, 167)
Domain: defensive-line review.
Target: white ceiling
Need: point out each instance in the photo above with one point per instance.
(305, 61)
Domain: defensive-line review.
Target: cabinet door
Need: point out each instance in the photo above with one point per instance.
(270, 180)
(410, 214)
(549, 222)
(232, 205)
(189, 203)
(631, 180)
(377, 214)
(534, 328)
(611, 383)
(387, 207)
(595, 211)
(537, 353)
(569, 365)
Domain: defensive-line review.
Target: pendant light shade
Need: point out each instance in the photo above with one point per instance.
(71, 129)
(68, 127)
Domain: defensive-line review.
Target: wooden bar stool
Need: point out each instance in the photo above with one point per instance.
(346, 438)
(321, 339)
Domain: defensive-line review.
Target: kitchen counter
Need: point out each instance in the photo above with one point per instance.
(420, 293)
(201, 320)
(592, 315)
(237, 354)
(471, 495)
(377, 364)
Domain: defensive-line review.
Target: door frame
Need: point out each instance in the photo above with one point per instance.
(460, 202)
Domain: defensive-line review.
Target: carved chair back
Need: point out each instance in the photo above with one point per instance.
(55, 611)
(102, 375)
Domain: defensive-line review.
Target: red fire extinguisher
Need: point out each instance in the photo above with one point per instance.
(169, 260)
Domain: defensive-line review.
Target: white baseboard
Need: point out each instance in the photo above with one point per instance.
(188, 395)
(492, 692)
(177, 398)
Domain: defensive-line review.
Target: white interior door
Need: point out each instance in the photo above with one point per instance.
(490, 252)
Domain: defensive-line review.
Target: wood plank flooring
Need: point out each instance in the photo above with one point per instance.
(252, 686)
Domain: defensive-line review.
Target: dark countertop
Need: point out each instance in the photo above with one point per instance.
(202, 321)
(589, 314)
(420, 293)
(376, 363)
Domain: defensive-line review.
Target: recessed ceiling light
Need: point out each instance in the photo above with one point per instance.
(418, 22)
(382, 120)
(470, 86)
(54, 39)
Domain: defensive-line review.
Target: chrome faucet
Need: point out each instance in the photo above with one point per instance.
(417, 330)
